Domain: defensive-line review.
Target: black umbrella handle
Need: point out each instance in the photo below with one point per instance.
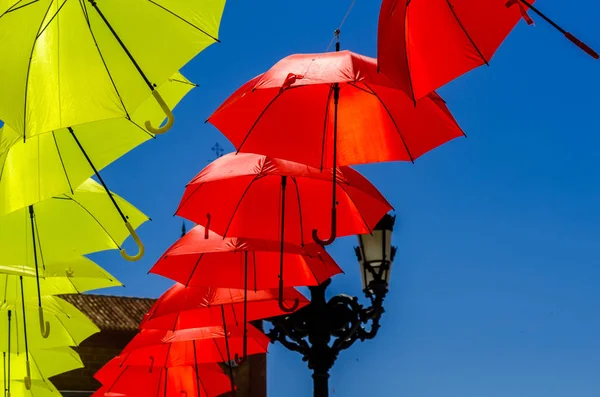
(584, 47)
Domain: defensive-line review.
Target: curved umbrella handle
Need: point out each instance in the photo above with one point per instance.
(333, 236)
(138, 242)
(168, 113)
(282, 305)
(44, 325)
(27, 378)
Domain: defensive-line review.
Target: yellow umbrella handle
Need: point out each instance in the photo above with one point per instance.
(168, 113)
(27, 379)
(138, 242)
(44, 325)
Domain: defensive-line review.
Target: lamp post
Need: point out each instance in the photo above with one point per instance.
(322, 329)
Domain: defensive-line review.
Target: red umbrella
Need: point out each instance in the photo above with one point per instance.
(184, 307)
(248, 263)
(206, 380)
(253, 206)
(424, 44)
(332, 109)
(191, 346)
(289, 112)
(257, 198)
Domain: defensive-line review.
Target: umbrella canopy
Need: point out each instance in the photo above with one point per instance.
(52, 163)
(206, 380)
(66, 226)
(72, 276)
(184, 307)
(290, 112)
(69, 326)
(253, 206)
(38, 388)
(202, 258)
(77, 62)
(423, 45)
(153, 347)
(44, 363)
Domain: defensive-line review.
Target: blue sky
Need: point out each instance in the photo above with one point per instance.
(495, 286)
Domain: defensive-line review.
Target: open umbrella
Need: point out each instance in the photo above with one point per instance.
(70, 327)
(182, 307)
(58, 161)
(191, 346)
(200, 380)
(332, 109)
(71, 276)
(61, 227)
(424, 44)
(259, 204)
(38, 365)
(202, 258)
(73, 62)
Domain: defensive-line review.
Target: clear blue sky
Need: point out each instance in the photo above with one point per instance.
(495, 290)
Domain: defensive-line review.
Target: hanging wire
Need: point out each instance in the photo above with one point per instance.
(341, 24)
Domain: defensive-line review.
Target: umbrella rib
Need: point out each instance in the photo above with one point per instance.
(299, 210)
(15, 8)
(410, 80)
(194, 269)
(62, 163)
(356, 207)
(29, 70)
(393, 121)
(185, 20)
(87, 19)
(94, 218)
(466, 33)
(238, 205)
(262, 113)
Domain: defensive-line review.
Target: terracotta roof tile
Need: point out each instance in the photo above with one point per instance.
(112, 313)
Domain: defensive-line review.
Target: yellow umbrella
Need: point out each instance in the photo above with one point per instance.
(62, 227)
(17, 388)
(71, 276)
(38, 365)
(73, 62)
(58, 161)
(70, 327)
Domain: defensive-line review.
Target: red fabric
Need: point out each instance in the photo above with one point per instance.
(242, 194)
(220, 262)
(425, 44)
(207, 380)
(288, 113)
(161, 348)
(194, 307)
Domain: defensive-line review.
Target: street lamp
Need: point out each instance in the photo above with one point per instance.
(322, 329)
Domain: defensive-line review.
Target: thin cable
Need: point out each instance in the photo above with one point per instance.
(341, 24)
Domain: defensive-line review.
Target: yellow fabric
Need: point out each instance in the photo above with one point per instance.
(52, 163)
(39, 388)
(68, 326)
(78, 72)
(67, 226)
(72, 276)
(44, 363)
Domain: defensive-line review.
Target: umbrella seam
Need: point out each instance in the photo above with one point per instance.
(466, 33)
(185, 20)
(62, 163)
(393, 121)
(86, 16)
(96, 220)
(29, 70)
